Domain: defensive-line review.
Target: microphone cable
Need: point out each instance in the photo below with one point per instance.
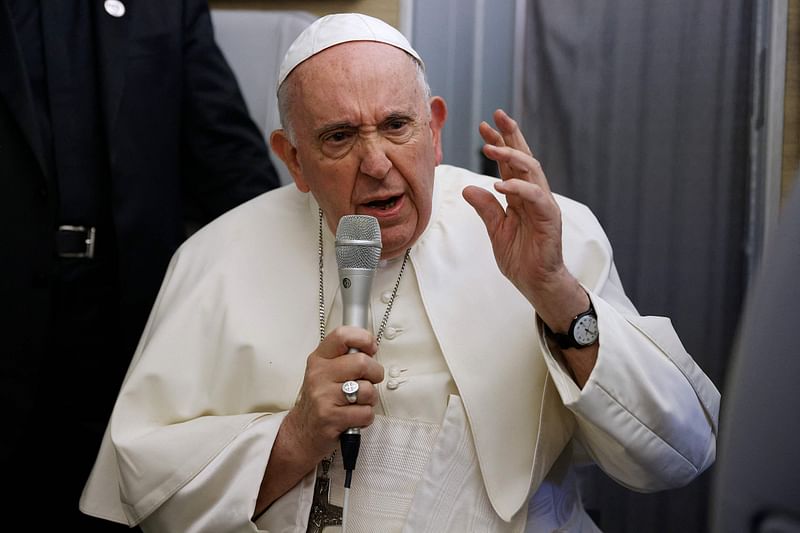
(350, 441)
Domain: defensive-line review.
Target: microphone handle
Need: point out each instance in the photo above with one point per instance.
(350, 442)
(356, 284)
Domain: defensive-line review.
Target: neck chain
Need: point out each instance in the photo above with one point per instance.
(322, 291)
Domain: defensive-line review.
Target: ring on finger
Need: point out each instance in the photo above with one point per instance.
(350, 390)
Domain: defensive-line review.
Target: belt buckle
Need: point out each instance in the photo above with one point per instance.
(89, 240)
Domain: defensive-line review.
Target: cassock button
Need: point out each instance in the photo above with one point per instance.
(391, 333)
(395, 371)
(386, 297)
(392, 384)
(115, 8)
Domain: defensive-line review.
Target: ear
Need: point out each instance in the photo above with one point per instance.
(438, 118)
(279, 141)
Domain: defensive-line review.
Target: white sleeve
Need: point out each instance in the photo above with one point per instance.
(221, 498)
(647, 415)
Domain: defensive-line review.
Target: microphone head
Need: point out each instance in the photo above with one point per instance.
(358, 242)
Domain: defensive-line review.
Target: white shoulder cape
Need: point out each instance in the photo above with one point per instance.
(236, 317)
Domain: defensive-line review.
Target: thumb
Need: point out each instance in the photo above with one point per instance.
(486, 205)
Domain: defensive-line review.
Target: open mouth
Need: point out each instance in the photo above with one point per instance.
(384, 204)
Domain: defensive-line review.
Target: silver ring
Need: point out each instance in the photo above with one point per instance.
(350, 390)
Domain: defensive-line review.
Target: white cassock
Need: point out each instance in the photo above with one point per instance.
(478, 424)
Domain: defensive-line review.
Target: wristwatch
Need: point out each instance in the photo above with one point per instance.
(582, 331)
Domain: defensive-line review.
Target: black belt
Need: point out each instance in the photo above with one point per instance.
(75, 241)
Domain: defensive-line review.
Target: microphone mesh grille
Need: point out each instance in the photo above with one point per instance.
(358, 242)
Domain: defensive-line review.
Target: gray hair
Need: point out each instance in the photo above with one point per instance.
(286, 99)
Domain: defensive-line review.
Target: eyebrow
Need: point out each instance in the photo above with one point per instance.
(333, 127)
(344, 125)
(399, 115)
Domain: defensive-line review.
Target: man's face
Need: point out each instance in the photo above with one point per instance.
(367, 141)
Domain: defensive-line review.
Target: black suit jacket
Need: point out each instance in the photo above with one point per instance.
(178, 136)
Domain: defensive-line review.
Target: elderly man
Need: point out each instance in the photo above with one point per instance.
(502, 346)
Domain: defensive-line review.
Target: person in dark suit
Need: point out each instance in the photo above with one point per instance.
(121, 125)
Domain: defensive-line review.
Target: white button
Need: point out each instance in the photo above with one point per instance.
(115, 8)
(395, 371)
(392, 384)
(386, 297)
(391, 333)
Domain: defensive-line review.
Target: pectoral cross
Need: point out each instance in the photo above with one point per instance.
(323, 512)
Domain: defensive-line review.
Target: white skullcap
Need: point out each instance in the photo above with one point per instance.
(341, 28)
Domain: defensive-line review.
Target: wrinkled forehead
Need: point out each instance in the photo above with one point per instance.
(354, 85)
(352, 63)
(356, 82)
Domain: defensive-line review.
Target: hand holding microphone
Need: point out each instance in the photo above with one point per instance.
(358, 251)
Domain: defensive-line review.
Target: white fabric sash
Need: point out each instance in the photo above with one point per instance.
(410, 476)
(451, 495)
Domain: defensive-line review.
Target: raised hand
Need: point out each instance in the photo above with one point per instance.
(526, 236)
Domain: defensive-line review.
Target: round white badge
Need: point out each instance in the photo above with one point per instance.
(115, 8)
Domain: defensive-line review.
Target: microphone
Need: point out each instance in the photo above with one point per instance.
(358, 251)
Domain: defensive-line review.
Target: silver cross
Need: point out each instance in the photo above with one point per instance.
(323, 512)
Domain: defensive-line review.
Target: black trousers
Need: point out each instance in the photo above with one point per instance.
(90, 349)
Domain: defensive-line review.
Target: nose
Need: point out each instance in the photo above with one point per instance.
(374, 161)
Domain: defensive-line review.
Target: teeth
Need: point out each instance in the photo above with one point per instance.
(383, 204)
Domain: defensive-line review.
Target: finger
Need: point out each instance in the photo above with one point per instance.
(324, 410)
(490, 135)
(355, 366)
(536, 200)
(342, 339)
(493, 137)
(510, 131)
(486, 205)
(331, 422)
(367, 394)
(356, 416)
(521, 165)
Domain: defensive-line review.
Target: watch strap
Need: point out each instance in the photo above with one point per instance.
(564, 340)
(567, 340)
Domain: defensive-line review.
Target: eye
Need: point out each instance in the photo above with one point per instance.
(397, 124)
(398, 129)
(336, 137)
(337, 142)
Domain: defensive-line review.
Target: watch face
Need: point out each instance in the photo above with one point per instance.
(585, 331)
